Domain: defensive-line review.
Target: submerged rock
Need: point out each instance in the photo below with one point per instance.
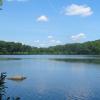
(17, 78)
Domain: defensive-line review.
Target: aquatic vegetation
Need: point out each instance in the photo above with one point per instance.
(3, 88)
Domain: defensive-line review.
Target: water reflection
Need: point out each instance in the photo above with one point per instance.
(3, 94)
(67, 58)
(77, 60)
(53, 77)
(2, 86)
(10, 59)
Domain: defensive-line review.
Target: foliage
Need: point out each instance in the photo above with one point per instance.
(1, 2)
(88, 48)
(3, 89)
(14, 48)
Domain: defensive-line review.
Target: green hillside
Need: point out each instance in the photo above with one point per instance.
(89, 48)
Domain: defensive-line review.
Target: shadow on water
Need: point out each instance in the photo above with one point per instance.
(10, 59)
(3, 93)
(79, 60)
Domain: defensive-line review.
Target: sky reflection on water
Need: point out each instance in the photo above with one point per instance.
(52, 79)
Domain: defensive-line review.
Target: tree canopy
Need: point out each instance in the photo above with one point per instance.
(87, 48)
(1, 2)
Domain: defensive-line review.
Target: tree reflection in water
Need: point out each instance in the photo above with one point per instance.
(3, 88)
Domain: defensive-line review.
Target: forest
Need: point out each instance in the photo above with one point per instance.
(86, 48)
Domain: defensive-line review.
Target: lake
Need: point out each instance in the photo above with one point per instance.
(53, 77)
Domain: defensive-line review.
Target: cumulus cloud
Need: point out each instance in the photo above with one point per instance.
(42, 18)
(78, 37)
(51, 41)
(36, 41)
(81, 10)
(42, 45)
(50, 37)
(55, 42)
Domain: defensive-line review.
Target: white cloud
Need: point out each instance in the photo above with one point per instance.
(55, 42)
(42, 45)
(58, 42)
(50, 41)
(81, 10)
(36, 41)
(78, 37)
(50, 37)
(42, 18)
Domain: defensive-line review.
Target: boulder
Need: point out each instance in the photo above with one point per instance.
(17, 78)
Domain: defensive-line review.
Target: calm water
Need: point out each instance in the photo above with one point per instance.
(50, 79)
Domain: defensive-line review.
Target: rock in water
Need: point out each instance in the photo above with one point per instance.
(17, 78)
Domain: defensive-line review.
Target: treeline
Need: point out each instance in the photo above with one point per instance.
(14, 48)
(1, 2)
(90, 48)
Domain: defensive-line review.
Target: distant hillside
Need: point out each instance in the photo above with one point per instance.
(91, 47)
(88, 48)
(14, 48)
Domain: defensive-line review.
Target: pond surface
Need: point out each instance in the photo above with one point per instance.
(53, 77)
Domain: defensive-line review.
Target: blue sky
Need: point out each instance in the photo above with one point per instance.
(50, 22)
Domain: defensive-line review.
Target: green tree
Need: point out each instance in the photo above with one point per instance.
(1, 2)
